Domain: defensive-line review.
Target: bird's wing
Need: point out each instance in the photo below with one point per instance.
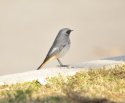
(54, 50)
(57, 46)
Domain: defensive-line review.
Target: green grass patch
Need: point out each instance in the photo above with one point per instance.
(93, 86)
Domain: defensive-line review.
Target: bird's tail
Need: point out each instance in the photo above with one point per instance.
(45, 61)
(41, 66)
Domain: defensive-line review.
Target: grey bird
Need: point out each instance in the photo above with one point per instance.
(60, 46)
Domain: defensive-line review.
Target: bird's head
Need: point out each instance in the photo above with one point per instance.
(65, 31)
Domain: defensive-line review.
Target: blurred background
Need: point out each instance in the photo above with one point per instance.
(29, 27)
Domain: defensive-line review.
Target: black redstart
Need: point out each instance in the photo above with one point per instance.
(59, 48)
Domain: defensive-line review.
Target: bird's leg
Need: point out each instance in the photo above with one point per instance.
(60, 62)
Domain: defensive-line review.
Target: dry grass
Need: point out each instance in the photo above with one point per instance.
(94, 86)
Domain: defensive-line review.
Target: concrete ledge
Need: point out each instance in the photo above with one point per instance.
(42, 74)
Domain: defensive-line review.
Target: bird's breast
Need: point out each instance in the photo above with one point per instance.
(64, 50)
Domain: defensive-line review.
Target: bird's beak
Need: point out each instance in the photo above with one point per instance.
(72, 30)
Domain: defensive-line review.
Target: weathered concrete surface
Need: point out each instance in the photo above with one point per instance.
(42, 74)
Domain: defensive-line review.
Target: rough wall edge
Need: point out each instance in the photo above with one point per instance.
(42, 74)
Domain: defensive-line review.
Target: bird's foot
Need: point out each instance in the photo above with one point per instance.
(63, 65)
(66, 66)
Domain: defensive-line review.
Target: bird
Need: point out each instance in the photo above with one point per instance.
(59, 47)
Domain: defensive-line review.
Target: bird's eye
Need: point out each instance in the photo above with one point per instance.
(68, 32)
